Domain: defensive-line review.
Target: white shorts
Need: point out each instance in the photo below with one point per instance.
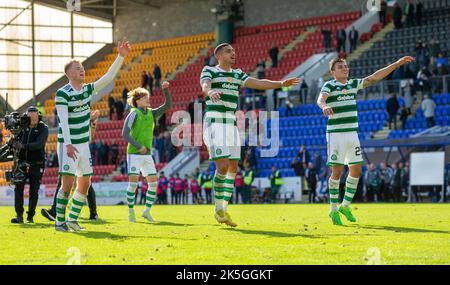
(222, 141)
(343, 149)
(141, 163)
(81, 166)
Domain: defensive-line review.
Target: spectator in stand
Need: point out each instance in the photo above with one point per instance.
(318, 161)
(341, 37)
(160, 147)
(303, 91)
(239, 184)
(372, 179)
(207, 185)
(171, 186)
(419, 12)
(299, 164)
(397, 16)
(114, 152)
(98, 149)
(429, 108)
(386, 174)
(123, 167)
(354, 37)
(392, 107)
(185, 193)
(273, 54)
(442, 59)
(261, 69)
(408, 10)
(326, 33)
(423, 80)
(195, 189)
(150, 83)
(111, 105)
(163, 183)
(144, 188)
(422, 55)
(407, 85)
(105, 154)
(119, 109)
(403, 116)
(125, 95)
(311, 178)
(144, 80)
(382, 12)
(157, 76)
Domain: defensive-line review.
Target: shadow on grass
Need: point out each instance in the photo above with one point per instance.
(401, 229)
(271, 233)
(97, 222)
(108, 235)
(165, 223)
(37, 225)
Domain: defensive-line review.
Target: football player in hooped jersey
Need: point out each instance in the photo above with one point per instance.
(337, 100)
(138, 132)
(73, 105)
(220, 85)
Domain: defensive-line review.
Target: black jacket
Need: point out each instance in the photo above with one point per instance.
(33, 141)
(392, 105)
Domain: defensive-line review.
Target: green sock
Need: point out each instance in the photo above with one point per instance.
(351, 184)
(61, 203)
(218, 184)
(130, 194)
(78, 200)
(150, 197)
(228, 189)
(333, 187)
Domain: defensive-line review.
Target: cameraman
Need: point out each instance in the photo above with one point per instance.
(31, 149)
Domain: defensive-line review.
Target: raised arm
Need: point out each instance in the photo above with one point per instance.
(158, 112)
(382, 73)
(123, 48)
(265, 84)
(321, 102)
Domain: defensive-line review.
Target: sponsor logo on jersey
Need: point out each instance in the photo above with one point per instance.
(346, 97)
(81, 109)
(230, 86)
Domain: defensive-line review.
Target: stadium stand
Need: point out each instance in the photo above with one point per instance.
(418, 123)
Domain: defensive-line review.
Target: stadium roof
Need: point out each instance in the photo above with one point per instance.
(106, 9)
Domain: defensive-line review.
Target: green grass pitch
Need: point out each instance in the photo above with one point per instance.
(266, 234)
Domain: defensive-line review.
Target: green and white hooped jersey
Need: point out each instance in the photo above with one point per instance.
(79, 110)
(342, 99)
(228, 83)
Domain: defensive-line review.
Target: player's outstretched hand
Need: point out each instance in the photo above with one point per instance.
(214, 96)
(94, 115)
(291, 81)
(327, 111)
(123, 47)
(405, 59)
(165, 85)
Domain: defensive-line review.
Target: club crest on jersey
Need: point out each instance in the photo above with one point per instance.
(66, 167)
(344, 91)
